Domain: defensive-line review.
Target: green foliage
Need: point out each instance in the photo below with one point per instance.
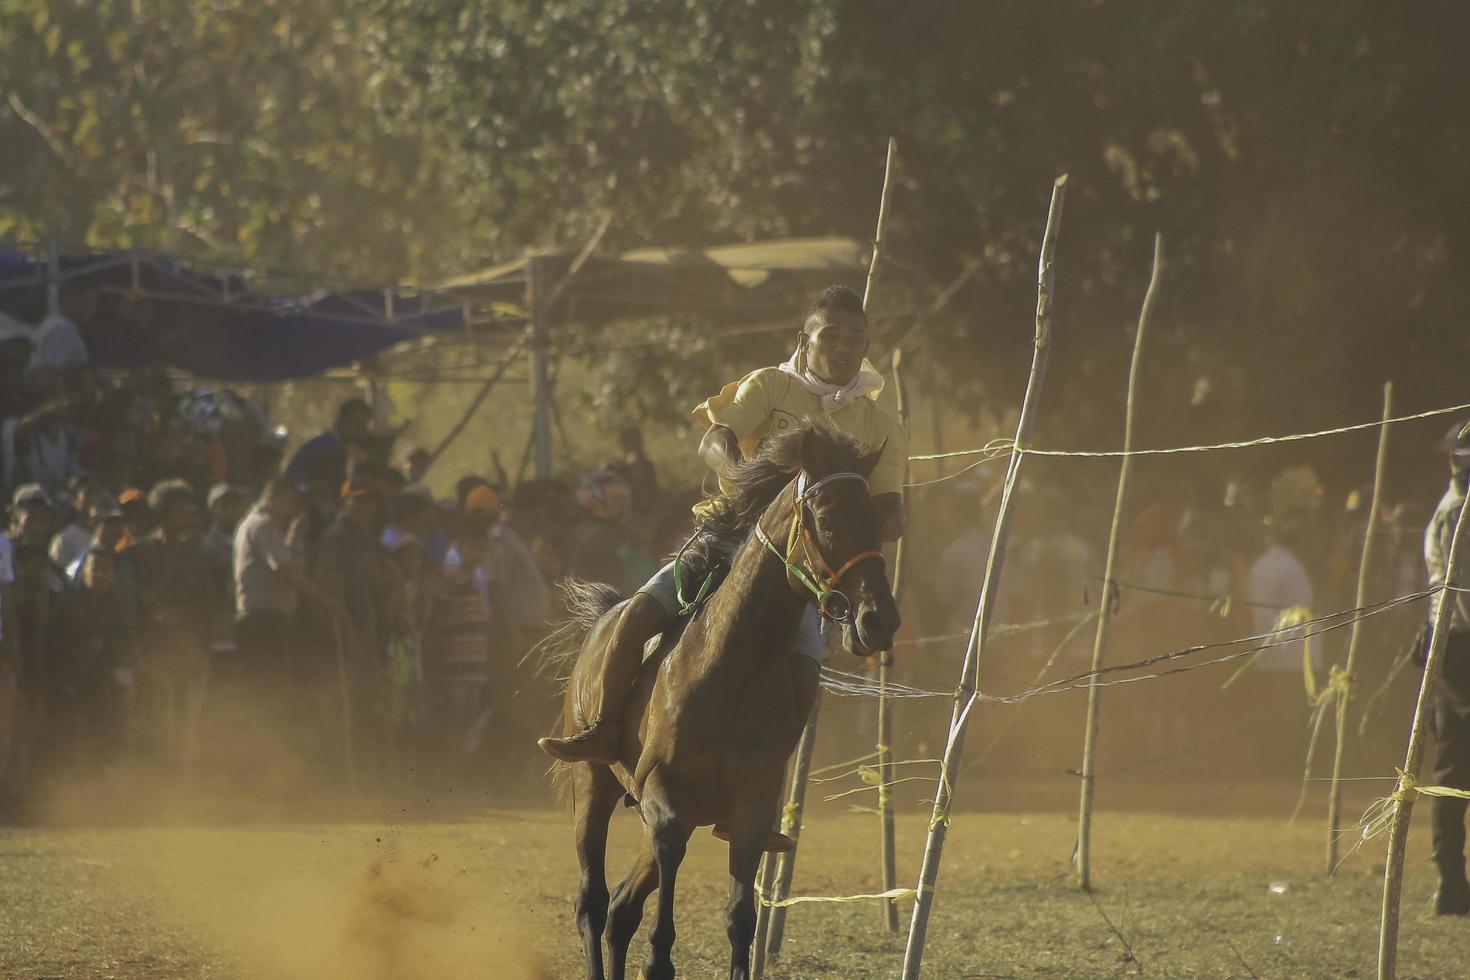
(1294, 154)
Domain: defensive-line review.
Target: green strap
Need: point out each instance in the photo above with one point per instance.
(801, 576)
(687, 607)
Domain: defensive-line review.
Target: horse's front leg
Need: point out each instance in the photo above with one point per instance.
(670, 837)
(747, 838)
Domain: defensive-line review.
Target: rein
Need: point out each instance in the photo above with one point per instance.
(832, 602)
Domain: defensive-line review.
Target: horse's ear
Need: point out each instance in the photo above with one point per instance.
(868, 463)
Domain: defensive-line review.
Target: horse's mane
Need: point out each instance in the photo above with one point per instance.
(728, 519)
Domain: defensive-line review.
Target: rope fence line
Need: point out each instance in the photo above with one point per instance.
(994, 448)
(1005, 629)
(1298, 632)
(847, 684)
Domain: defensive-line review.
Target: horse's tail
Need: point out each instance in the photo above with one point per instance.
(586, 603)
(557, 652)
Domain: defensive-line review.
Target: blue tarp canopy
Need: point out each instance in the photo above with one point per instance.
(152, 309)
(216, 323)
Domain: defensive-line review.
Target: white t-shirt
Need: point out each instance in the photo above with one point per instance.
(68, 544)
(1278, 580)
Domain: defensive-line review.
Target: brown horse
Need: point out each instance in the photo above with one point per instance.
(724, 705)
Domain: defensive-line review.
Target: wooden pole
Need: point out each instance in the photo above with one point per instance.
(540, 374)
(1398, 835)
(885, 704)
(344, 691)
(1334, 798)
(512, 356)
(965, 694)
(1105, 602)
(772, 922)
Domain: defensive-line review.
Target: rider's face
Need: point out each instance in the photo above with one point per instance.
(835, 345)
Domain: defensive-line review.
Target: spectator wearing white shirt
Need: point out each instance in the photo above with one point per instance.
(1278, 582)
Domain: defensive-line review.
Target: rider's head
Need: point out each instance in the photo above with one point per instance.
(834, 338)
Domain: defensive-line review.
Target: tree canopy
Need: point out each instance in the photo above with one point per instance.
(1297, 156)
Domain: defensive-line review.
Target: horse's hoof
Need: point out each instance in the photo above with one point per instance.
(776, 843)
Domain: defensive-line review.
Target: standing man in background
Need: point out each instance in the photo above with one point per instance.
(1452, 692)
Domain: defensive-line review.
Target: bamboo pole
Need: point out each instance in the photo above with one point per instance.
(1403, 797)
(1334, 797)
(772, 922)
(875, 264)
(965, 694)
(1105, 602)
(791, 826)
(763, 915)
(885, 705)
(885, 658)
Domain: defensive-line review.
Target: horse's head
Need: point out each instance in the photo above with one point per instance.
(838, 525)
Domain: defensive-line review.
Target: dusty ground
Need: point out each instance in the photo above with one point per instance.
(393, 896)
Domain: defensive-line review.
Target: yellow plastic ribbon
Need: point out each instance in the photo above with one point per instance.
(892, 895)
(1289, 617)
(1378, 817)
(790, 817)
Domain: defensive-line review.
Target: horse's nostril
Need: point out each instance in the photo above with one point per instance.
(871, 626)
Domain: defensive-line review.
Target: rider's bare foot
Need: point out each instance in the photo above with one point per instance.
(776, 843)
(599, 743)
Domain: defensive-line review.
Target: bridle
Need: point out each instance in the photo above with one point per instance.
(811, 572)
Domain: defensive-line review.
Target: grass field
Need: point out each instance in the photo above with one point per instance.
(394, 895)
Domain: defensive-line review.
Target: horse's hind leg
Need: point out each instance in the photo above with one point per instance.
(626, 912)
(596, 794)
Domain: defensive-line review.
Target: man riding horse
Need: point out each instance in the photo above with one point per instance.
(828, 376)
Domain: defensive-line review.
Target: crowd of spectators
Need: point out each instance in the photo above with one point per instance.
(169, 575)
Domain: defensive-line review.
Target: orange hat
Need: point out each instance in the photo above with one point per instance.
(482, 500)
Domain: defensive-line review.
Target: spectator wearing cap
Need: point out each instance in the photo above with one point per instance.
(90, 646)
(324, 458)
(177, 602)
(1452, 691)
(516, 586)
